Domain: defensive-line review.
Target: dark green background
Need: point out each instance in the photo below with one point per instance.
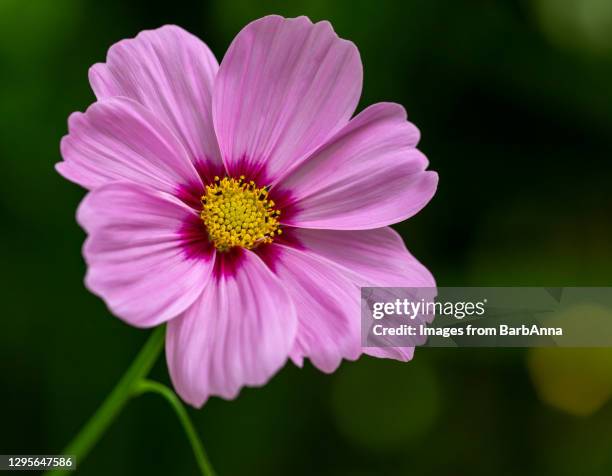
(514, 101)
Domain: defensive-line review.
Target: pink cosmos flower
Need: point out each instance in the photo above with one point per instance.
(240, 203)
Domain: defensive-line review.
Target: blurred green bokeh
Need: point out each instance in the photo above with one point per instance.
(514, 101)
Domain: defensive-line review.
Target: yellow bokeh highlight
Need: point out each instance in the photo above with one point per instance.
(575, 380)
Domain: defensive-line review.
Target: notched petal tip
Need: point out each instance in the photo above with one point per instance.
(99, 74)
(64, 170)
(433, 179)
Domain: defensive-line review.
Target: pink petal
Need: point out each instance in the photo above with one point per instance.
(283, 88)
(327, 306)
(369, 258)
(171, 72)
(403, 354)
(239, 332)
(376, 257)
(117, 139)
(137, 260)
(369, 175)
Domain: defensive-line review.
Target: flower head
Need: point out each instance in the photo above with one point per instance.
(240, 203)
(237, 213)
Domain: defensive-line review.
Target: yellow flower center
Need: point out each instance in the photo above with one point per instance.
(238, 213)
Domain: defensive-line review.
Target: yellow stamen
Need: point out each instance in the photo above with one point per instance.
(238, 213)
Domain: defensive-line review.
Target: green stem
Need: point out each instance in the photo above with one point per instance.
(145, 386)
(93, 430)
